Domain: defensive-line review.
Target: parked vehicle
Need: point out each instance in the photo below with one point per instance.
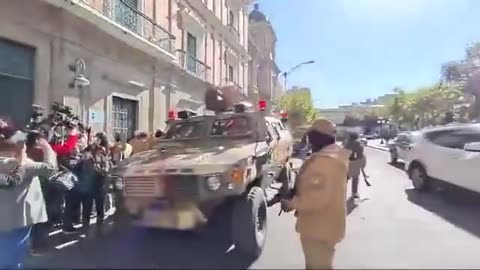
(211, 171)
(449, 154)
(400, 146)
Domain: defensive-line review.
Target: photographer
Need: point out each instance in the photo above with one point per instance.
(65, 149)
(68, 157)
(22, 202)
(92, 172)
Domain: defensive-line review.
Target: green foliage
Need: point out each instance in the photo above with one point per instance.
(424, 106)
(298, 103)
(465, 75)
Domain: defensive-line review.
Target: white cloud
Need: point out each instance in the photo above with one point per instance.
(391, 10)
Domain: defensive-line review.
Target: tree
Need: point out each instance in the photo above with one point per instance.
(298, 103)
(465, 74)
(424, 106)
(352, 120)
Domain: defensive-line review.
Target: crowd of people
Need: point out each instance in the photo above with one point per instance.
(50, 183)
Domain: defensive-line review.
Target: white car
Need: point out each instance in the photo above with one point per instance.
(450, 154)
(400, 146)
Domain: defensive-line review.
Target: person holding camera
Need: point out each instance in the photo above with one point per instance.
(319, 200)
(92, 186)
(21, 199)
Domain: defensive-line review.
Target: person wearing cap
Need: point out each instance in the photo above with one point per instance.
(357, 161)
(21, 199)
(319, 199)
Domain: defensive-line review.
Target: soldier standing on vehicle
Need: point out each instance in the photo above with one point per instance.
(320, 197)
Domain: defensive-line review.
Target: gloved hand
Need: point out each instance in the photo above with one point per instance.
(286, 206)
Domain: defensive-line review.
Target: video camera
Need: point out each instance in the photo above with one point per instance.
(61, 116)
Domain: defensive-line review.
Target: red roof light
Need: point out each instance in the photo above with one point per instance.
(171, 114)
(262, 105)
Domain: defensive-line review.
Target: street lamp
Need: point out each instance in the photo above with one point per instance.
(285, 74)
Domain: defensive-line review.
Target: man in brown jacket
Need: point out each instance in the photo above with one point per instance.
(320, 197)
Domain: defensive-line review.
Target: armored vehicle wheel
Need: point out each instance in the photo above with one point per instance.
(286, 179)
(249, 222)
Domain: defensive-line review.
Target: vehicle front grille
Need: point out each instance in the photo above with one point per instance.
(171, 186)
(182, 186)
(141, 187)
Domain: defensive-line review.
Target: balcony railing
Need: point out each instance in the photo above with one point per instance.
(234, 31)
(193, 65)
(125, 14)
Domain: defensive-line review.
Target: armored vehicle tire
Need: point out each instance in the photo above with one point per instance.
(249, 222)
(286, 179)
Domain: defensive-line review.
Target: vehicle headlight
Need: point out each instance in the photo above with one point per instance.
(213, 182)
(117, 182)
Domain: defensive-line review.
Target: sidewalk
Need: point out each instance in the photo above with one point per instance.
(375, 144)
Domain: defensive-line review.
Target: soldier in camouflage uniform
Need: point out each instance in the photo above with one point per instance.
(320, 197)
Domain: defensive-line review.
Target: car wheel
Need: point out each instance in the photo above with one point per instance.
(249, 227)
(419, 177)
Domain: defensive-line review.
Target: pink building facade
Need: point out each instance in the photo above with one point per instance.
(120, 64)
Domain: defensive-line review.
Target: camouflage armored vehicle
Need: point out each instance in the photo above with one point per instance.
(211, 170)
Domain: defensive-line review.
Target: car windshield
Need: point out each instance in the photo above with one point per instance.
(231, 127)
(185, 130)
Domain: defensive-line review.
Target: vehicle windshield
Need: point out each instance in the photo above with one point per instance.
(231, 127)
(185, 130)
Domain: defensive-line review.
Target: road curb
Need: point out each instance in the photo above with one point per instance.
(378, 148)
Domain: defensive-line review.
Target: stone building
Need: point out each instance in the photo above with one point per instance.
(264, 79)
(120, 64)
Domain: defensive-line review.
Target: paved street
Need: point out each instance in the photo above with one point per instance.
(376, 143)
(391, 227)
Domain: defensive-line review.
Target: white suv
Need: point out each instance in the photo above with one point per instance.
(449, 153)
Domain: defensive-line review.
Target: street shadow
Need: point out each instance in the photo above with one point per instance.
(459, 207)
(398, 165)
(140, 248)
(351, 205)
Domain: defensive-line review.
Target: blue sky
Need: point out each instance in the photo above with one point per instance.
(364, 48)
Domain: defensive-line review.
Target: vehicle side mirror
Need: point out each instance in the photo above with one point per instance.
(472, 147)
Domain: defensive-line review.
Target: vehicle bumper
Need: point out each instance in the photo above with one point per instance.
(179, 216)
(173, 202)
